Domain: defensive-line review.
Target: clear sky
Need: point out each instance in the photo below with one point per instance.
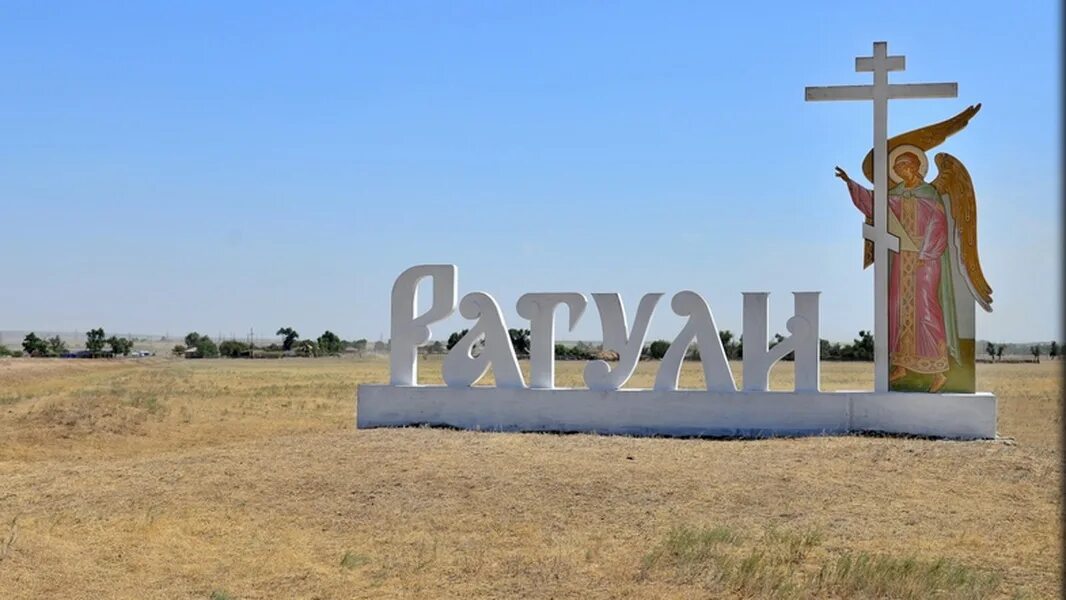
(220, 166)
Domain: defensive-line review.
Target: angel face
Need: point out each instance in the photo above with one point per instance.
(907, 166)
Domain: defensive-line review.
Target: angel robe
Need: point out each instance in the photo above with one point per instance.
(918, 333)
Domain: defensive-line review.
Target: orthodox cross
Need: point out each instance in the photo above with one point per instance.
(880, 92)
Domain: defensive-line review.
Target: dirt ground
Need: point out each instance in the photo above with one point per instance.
(166, 478)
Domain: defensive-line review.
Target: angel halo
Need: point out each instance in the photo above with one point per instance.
(915, 151)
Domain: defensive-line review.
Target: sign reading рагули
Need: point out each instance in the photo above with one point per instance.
(927, 281)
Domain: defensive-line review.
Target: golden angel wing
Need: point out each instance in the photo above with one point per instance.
(926, 138)
(953, 180)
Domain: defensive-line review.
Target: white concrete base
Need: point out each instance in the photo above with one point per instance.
(678, 413)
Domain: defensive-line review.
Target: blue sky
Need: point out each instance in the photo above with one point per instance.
(167, 167)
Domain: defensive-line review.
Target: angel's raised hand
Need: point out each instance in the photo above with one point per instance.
(841, 174)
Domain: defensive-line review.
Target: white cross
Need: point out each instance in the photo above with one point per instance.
(880, 92)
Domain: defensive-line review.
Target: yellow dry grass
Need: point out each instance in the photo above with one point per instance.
(246, 479)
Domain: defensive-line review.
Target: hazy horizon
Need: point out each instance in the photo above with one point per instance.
(12, 338)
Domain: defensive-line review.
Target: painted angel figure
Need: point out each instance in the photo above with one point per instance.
(936, 277)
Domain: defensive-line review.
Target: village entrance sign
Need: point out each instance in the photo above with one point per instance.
(920, 237)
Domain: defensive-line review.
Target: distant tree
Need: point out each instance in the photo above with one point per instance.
(329, 343)
(990, 349)
(830, 351)
(234, 349)
(863, 347)
(34, 346)
(436, 347)
(120, 345)
(1035, 351)
(205, 347)
(520, 341)
(56, 347)
(778, 338)
(1053, 351)
(306, 348)
(999, 351)
(4, 351)
(454, 338)
(178, 350)
(289, 337)
(657, 349)
(95, 340)
(359, 345)
(379, 346)
(732, 348)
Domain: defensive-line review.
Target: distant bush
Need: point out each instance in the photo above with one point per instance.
(120, 345)
(519, 341)
(233, 349)
(56, 346)
(861, 349)
(205, 347)
(330, 343)
(578, 352)
(657, 349)
(306, 348)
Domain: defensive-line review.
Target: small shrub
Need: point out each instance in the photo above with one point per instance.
(352, 561)
(690, 551)
(883, 576)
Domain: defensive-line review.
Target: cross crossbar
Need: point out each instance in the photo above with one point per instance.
(902, 91)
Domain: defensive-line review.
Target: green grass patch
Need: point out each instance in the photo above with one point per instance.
(12, 399)
(350, 560)
(883, 576)
(789, 564)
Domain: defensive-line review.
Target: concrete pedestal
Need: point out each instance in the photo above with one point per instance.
(679, 413)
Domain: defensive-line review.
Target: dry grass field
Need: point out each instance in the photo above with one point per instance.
(247, 479)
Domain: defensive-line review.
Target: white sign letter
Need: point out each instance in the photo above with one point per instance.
(462, 368)
(540, 310)
(598, 374)
(408, 332)
(701, 329)
(804, 342)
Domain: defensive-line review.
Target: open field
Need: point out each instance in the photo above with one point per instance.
(165, 478)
